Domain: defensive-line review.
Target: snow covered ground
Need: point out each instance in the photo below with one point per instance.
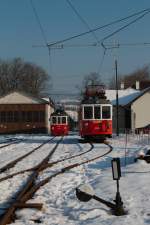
(60, 204)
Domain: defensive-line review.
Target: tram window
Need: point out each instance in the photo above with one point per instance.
(97, 112)
(64, 119)
(53, 120)
(88, 112)
(106, 112)
(59, 120)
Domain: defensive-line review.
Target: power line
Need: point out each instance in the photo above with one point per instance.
(39, 22)
(122, 28)
(98, 28)
(128, 44)
(88, 27)
(102, 61)
(81, 18)
(43, 34)
(108, 45)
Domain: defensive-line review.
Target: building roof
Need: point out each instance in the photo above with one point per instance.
(21, 98)
(124, 96)
(140, 94)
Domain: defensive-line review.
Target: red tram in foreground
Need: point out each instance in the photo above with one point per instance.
(59, 123)
(95, 116)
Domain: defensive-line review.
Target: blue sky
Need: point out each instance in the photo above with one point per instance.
(20, 31)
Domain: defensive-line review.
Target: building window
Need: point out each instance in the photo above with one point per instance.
(3, 117)
(16, 116)
(9, 118)
(41, 116)
(29, 117)
(35, 116)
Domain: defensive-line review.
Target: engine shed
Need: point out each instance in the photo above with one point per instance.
(23, 113)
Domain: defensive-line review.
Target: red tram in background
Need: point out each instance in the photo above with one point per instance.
(95, 115)
(59, 123)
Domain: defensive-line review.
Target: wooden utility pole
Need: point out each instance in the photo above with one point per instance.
(117, 103)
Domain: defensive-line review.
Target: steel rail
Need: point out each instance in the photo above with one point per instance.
(13, 163)
(37, 186)
(31, 187)
(21, 195)
(44, 166)
(10, 143)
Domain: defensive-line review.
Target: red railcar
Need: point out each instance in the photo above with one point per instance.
(59, 123)
(95, 116)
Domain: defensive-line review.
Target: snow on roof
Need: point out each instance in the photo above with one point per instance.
(124, 96)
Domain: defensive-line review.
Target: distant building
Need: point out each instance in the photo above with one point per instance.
(138, 85)
(21, 112)
(134, 108)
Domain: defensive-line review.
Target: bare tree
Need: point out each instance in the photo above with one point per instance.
(137, 75)
(129, 80)
(22, 76)
(112, 83)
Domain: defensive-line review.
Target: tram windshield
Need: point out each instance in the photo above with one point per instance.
(54, 120)
(106, 112)
(59, 120)
(88, 112)
(97, 112)
(64, 119)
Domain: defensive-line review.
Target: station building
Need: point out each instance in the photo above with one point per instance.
(24, 113)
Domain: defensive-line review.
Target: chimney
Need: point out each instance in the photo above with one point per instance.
(137, 85)
(122, 85)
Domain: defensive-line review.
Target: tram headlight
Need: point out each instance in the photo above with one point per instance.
(86, 124)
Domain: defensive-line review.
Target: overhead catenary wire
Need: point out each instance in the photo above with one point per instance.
(89, 28)
(122, 28)
(39, 22)
(99, 28)
(143, 12)
(108, 45)
(117, 31)
(102, 61)
(82, 19)
(61, 46)
(43, 34)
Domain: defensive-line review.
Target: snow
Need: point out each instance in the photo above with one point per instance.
(124, 96)
(60, 204)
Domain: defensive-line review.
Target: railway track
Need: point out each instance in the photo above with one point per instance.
(13, 162)
(9, 142)
(32, 186)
